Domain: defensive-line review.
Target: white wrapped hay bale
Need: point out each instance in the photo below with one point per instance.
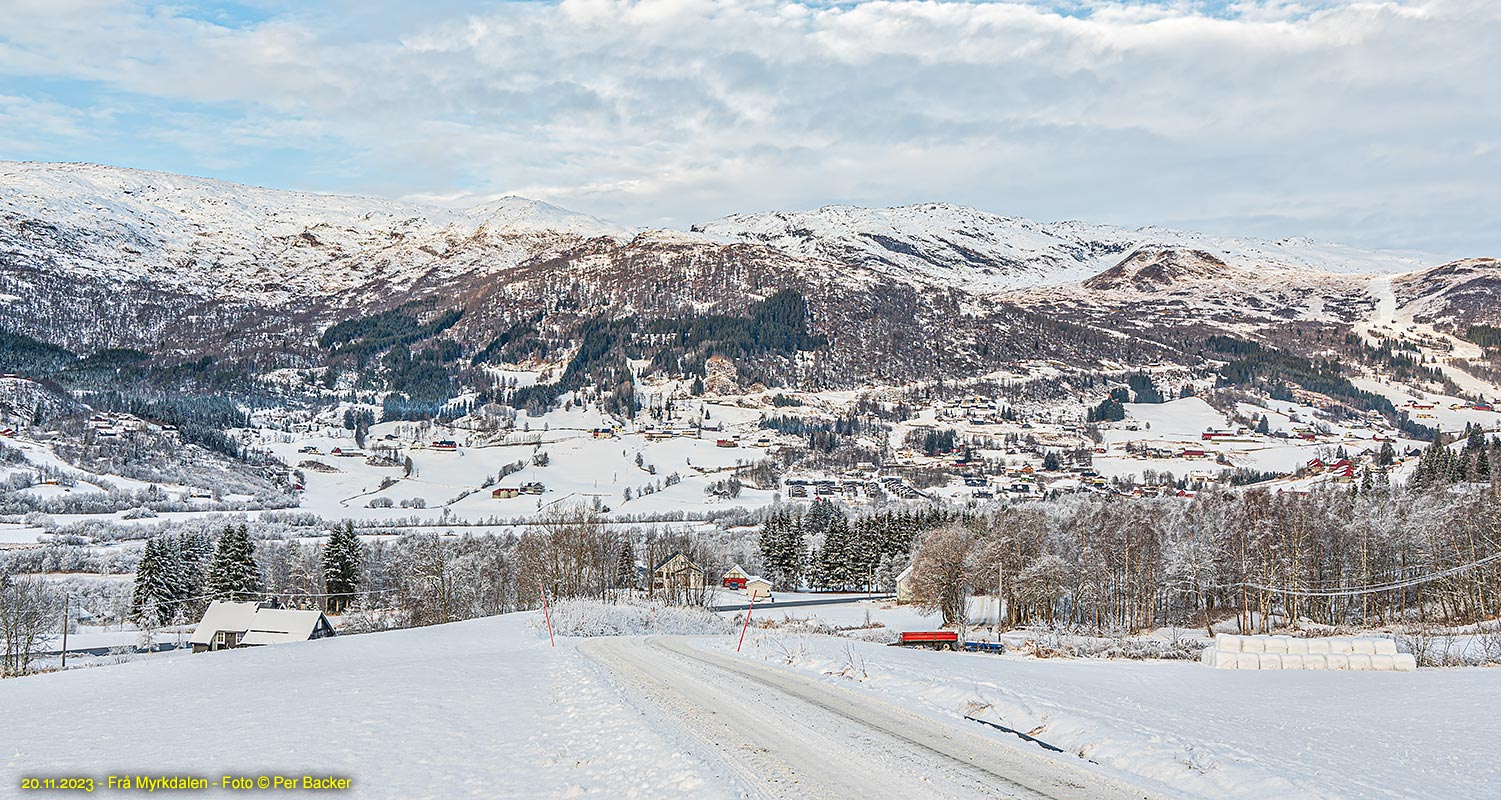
(1320, 646)
(1292, 661)
(1276, 644)
(1316, 661)
(1341, 646)
(1382, 662)
(1360, 661)
(1366, 647)
(1253, 644)
(1404, 662)
(1227, 642)
(1385, 647)
(1221, 660)
(1247, 660)
(1297, 646)
(1269, 661)
(1337, 661)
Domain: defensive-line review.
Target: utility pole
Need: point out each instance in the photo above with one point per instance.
(65, 630)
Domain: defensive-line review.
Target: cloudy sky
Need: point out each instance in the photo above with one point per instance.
(1374, 123)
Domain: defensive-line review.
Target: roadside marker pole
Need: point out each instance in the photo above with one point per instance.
(744, 627)
(545, 615)
(65, 630)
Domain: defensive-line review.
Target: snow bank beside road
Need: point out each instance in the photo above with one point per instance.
(1195, 731)
(595, 618)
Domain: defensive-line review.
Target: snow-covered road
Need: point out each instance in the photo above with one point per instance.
(787, 736)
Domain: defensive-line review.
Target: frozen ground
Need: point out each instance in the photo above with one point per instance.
(497, 713)
(475, 709)
(1189, 730)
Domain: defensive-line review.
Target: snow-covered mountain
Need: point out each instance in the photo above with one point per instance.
(97, 257)
(988, 252)
(272, 247)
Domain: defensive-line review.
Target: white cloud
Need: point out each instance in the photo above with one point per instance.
(1370, 122)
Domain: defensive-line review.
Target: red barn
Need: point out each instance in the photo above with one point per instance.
(735, 578)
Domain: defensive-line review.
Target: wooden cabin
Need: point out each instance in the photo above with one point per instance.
(227, 625)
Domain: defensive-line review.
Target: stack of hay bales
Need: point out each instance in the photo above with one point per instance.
(1285, 652)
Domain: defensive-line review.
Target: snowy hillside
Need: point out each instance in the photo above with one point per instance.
(231, 241)
(991, 252)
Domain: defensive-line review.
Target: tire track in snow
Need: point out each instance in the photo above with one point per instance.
(792, 737)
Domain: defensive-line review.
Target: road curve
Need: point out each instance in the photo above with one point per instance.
(787, 736)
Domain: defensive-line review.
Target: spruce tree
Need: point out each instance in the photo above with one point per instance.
(783, 550)
(152, 596)
(835, 568)
(233, 573)
(341, 567)
(625, 567)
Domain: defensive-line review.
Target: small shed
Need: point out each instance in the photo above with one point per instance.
(227, 625)
(735, 578)
(505, 492)
(904, 586)
(757, 588)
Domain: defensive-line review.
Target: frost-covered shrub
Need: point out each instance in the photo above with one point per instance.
(139, 512)
(596, 618)
(1055, 645)
(870, 632)
(379, 502)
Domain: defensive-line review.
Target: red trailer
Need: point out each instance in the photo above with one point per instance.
(937, 640)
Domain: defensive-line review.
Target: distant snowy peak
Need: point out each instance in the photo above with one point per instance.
(1151, 269)
(933, 240)
(226, 240)
(105, 193)
(989, 252)
(512, 213)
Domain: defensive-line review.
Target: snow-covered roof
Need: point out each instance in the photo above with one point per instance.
(904, 573)
(678, 554)
(260, 625)
(737, 570)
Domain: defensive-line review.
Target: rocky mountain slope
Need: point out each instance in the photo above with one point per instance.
(181, 268)
(988, 252)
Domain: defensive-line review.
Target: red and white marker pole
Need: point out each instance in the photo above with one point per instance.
(545, 614)
(747, 621)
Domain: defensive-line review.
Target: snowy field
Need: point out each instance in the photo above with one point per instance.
(1191, 731)
(580, 470)
(501, 714)
(474, 709)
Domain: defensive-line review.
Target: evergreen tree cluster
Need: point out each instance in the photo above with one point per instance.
(341, 567)
(868, 551)
(233, 573)
(1112, 408)
(1145, 390)
(169, 579)
(1442, 465)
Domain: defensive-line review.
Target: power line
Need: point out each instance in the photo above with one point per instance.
(269, 594)
(1363, 590)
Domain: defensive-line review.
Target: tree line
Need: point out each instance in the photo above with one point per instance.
(1341, 555)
